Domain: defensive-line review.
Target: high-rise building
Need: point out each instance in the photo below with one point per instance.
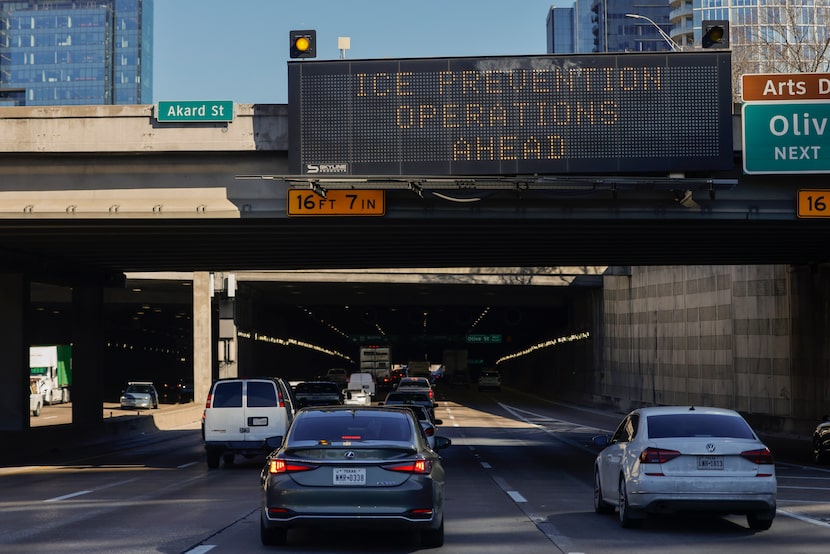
(603, 26)
(772, 36)
(570, 30)
(682, 23)
(560, 30)
(73, 52)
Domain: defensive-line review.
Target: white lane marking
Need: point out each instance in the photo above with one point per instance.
(516, 496)
(516, 413)
(552, 432)
(201, 549)
(79, 493)
(805, 519)
(485, 465)
(66, 496)
(183, 466)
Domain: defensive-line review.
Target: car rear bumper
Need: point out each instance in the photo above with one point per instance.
(243, 447)
(336, 521)
(413, 503)
(136, 404)
(714, 503)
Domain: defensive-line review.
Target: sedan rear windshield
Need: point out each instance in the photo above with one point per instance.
(347, 426)
(698, 425)
(407, 397)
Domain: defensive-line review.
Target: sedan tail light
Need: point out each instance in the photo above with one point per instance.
(420, 467)
(287, 466)
(760, 456)
(657, 455)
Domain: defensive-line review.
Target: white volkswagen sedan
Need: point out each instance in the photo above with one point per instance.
(664, 460)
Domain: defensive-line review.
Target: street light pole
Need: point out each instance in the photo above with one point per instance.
(673, 45)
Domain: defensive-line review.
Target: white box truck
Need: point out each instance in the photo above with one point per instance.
(50, 372)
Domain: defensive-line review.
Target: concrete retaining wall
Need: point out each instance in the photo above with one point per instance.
(40, 441)
(707, 335)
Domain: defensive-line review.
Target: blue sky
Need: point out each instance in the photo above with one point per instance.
(222, 50)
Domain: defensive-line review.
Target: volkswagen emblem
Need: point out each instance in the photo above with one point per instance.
(710, 447)
(350, 454)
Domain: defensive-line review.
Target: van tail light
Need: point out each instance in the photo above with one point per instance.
(209, 400)
(280, 399)
(287, 466)
(420, 467)
(657, 455)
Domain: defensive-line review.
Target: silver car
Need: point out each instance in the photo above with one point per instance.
(354, 467)
(140, 394)
(669, 459)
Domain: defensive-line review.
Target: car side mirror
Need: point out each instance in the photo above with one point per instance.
(601, 441)
(439, 422)
(441, 443)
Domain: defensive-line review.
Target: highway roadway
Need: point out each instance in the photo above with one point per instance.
(519, 480)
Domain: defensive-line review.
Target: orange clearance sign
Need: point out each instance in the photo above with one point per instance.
(785, 86)
(336, 202)
(813, 203)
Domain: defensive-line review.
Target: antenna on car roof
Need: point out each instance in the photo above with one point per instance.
(691, 408)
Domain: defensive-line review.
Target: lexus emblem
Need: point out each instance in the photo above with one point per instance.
(349, 454)
(710, 447)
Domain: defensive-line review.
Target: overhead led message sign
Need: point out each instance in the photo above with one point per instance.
(584, 114)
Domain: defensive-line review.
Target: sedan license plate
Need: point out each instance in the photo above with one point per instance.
(710, 462)
(349, 476)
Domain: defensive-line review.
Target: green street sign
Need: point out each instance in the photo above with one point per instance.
(190, 111)
(786, 137)
(479, 339)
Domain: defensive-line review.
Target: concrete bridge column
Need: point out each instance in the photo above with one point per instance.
(203, 335)
(14, 371)
(87, 393)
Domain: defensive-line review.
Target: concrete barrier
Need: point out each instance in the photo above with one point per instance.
(36, 444)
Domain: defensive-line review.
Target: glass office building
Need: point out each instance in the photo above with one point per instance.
(65, 52)
(602, 26)
(560, 30)
(772, 36)
(570, 29)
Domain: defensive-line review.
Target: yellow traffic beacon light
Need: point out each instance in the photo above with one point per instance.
(303, 44)
(714, 33)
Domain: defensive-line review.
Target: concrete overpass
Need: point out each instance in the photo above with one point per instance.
(92, 193)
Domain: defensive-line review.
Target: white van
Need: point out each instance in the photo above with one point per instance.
(246, 417)
(365, 381)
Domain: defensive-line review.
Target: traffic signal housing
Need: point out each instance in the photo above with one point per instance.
(303, 44)
(714, 33)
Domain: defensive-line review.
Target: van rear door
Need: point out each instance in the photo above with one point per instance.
(245, 411)
(224, 418)
(265, 411)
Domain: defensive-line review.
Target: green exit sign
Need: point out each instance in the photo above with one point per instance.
(207, 110)
(485, 339)
(786, 137)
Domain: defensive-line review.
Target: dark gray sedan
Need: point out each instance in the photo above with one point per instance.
(348, 466)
